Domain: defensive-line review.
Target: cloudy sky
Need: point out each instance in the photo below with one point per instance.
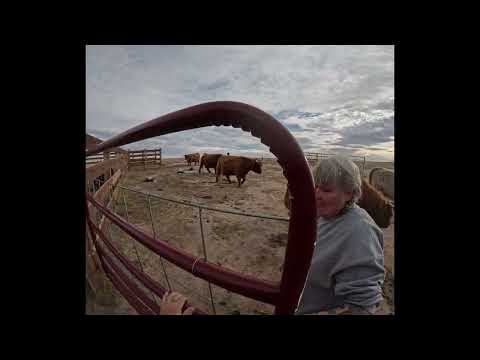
(333, 99)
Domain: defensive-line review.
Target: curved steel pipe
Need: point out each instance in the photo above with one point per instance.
(302, 226)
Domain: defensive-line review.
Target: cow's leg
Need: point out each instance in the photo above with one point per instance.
(210, 171)
(239, 179)
(228, 178)
(243, 180)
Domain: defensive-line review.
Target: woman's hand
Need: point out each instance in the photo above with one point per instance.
(172, 304)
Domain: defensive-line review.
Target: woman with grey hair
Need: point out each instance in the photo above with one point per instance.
(347, 270)
(346, 273)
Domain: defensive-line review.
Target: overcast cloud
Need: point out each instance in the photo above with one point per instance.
(331, 98)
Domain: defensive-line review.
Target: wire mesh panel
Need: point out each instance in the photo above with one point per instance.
(224, 243)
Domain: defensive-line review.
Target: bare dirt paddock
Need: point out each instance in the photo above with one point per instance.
(252, 246)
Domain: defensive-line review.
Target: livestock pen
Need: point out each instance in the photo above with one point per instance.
(217, 244)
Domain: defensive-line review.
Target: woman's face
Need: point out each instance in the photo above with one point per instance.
(330, 200)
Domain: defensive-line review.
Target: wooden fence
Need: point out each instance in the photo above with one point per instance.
(144, 157)
(102, 180)
(102, 177)
(313, 157)
(93, 159)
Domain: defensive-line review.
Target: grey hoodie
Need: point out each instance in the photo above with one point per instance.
(347, 264)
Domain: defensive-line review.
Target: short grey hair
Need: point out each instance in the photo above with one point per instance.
(340, 172)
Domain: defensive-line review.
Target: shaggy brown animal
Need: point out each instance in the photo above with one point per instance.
(238, 166)
(382, 179)
(195, 158)
(372, 201)
(209, 161)
(378, 206)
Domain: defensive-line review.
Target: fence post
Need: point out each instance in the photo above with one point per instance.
(205, 258)
(138, 258)
(155, 236)
(93, 279)
(134, 245)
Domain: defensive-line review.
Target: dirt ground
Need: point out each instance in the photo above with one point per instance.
(252, 246)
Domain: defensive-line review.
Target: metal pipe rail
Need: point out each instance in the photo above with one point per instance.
(302, 224)
(244, 285)
(188, 203)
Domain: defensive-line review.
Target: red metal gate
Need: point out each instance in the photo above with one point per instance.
(302, 226)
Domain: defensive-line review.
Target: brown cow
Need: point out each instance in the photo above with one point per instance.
(209, 161)
(382, 179)
(195, 158)
(372, 201)
(238, 166)
(378, 206)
